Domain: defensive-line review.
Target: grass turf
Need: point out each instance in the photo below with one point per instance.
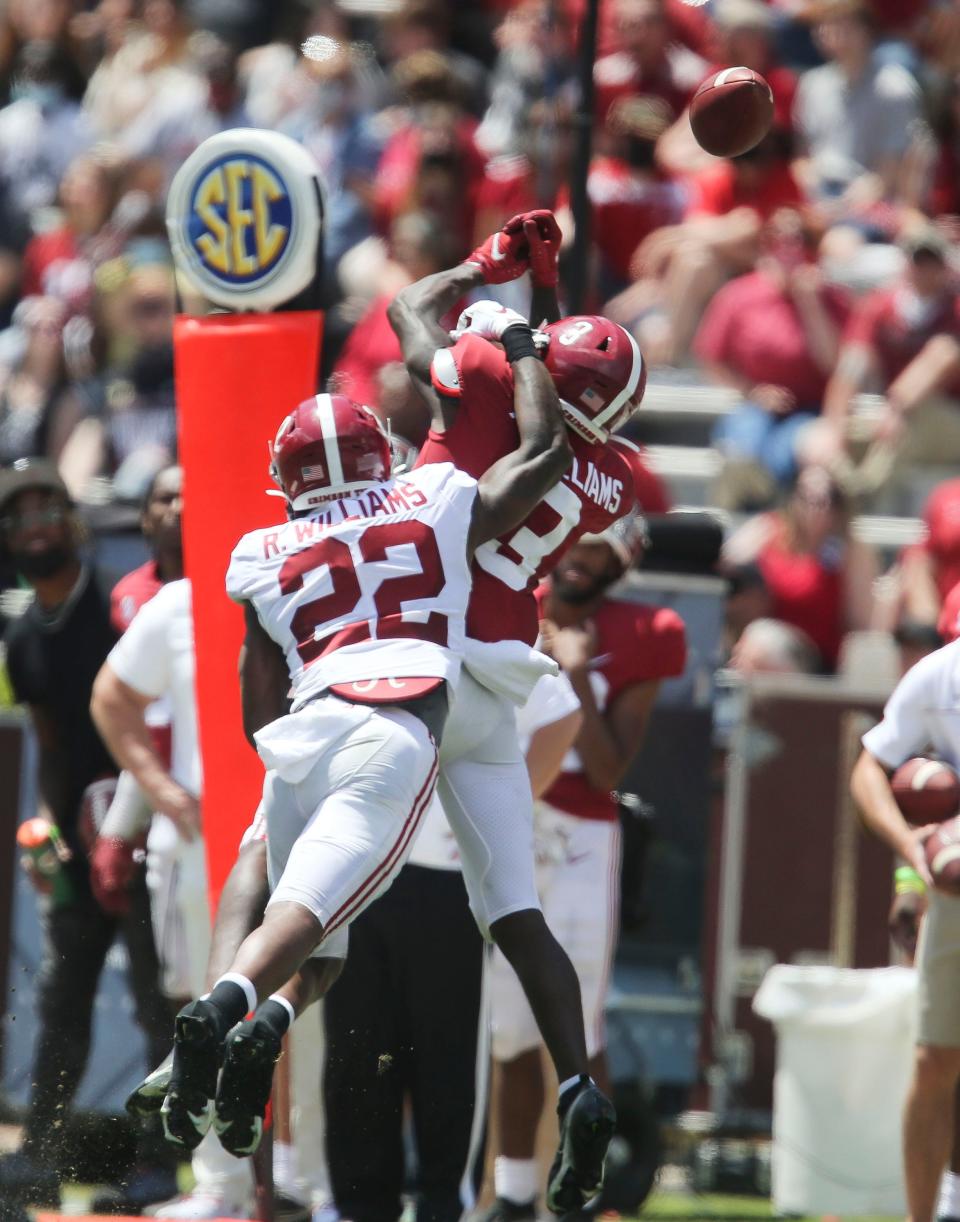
(671, 1206)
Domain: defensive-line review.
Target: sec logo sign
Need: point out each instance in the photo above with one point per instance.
(244, 215)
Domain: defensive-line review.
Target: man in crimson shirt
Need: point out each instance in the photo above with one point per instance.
(615, 654)
(160, 524)
(773, 335)
(642, 62)
(905, 340)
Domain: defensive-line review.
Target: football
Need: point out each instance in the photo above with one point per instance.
(927, 791)
(731, 112)
(943, 856)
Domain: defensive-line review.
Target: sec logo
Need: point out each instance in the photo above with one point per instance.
(244, 215)
(240, 219)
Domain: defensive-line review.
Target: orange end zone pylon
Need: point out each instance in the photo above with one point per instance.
(237, 376)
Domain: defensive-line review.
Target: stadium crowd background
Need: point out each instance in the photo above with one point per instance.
(767, 292)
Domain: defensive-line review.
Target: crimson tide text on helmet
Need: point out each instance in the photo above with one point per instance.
(328, 446)
(598, 371)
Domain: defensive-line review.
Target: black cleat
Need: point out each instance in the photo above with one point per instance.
(587, 1124)
(148, 1097)
(187, 1110)
(504, 1210)
(246, 1080)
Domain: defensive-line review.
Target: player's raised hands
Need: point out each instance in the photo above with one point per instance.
(506, 254)
(488, 319)
(543, 238)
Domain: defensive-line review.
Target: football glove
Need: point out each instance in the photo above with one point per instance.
(112, 868)
(488, 319)
(543, 240)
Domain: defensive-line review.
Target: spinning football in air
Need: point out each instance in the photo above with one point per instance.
(731, 112)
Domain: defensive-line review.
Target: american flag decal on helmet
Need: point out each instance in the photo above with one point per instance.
(591, 398)
(315, 472)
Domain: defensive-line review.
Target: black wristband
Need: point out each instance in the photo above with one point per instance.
(517, 342)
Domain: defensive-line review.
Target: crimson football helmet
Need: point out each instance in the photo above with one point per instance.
(598, 371)
(326, 447)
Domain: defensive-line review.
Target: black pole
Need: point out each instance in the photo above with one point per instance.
(579, 200)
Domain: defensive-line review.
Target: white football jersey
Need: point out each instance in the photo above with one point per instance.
(372, 586)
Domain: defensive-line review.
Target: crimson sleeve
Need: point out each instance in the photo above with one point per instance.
(862, 326)
(712, 342)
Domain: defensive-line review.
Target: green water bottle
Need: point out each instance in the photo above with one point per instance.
(41, 841)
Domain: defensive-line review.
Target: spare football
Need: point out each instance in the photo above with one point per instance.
(927, 791)
(731, 111)
(943, 856)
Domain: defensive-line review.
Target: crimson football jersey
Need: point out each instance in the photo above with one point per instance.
(596, 490)
(635, 643)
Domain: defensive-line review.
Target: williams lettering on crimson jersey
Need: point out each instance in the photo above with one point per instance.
(596, 490)
(373, 585)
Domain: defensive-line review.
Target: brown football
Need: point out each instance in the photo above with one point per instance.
(943, 856)
(731, 111)
(927, 791)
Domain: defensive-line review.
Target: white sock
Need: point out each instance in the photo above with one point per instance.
(949, 1204)
(569, 1083)
(285, 1169)
(516, 1179)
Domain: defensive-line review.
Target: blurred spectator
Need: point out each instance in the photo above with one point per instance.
(678, 268)
(938, 191)
(818, 577)
(631, 196)
(926, 572)
(41, 131)
(771, 647)
(61, 262)
(642, 62)
(424, 25)
(370, 368)
(745, 35)
(855, 115)
(431, 164)
(773, 335)
(332, 126)
(130, 432)
(38, 407)
(142, 94)
(54, 651)
(532, 69)
(905, 342)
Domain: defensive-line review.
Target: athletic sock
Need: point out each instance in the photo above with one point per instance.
(516, 1179)
(231, 999)
(277, 1015)
(571, 1087)
(949, 1203)
(285, 1170)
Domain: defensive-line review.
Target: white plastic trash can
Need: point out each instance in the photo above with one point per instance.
(844, 1056)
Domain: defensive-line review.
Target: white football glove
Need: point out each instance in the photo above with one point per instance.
(488, 319)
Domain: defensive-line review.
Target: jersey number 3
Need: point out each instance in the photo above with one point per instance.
(346, 594)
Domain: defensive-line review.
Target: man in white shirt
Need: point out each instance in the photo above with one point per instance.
(155, 658)
(923, 715)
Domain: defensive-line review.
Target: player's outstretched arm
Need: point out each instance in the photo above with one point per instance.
(415, 315)
(264, 677)
(520, 480)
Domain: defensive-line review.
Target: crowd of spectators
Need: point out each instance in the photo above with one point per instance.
(817, 266)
